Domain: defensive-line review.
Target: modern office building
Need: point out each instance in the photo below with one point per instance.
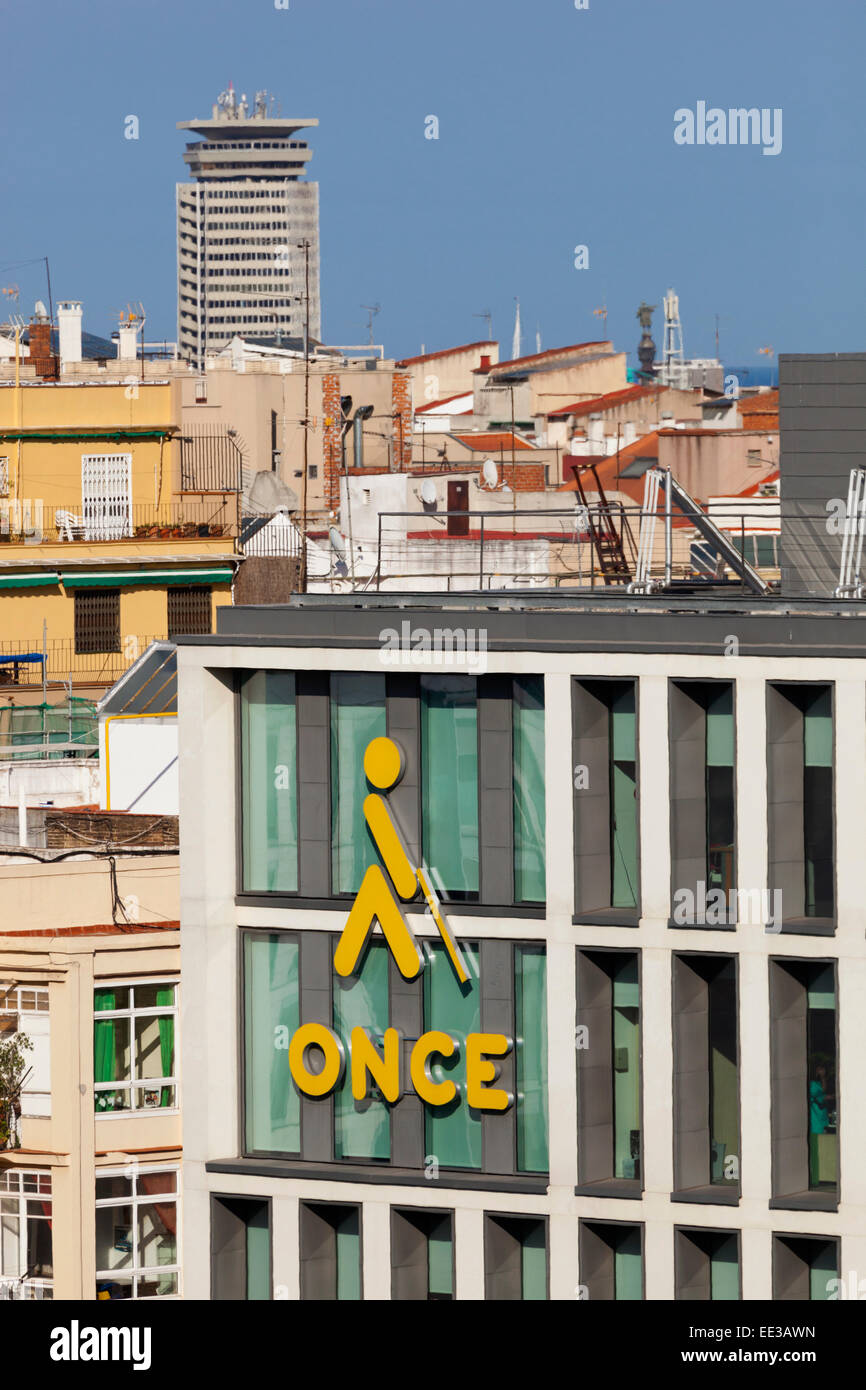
(607, 1040)
(247, 229)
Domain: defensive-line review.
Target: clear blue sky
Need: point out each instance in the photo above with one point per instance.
(555, 129)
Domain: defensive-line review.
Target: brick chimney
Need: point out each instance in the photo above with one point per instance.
(41, 358)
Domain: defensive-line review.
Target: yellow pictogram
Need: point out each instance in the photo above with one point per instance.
(375, 901)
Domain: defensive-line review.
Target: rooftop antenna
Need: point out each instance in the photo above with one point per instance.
(486, 314)
(372, 311)
(515, 342)
(538, 337)
(602, 314)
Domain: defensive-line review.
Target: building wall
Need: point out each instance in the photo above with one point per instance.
(211, 916)
(707, 463)
(440, 374)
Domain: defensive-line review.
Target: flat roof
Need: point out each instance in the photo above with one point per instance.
(685, 623)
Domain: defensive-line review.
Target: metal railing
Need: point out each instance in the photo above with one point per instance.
(552, 548)
(63, 663)
(210, 460)
(32, 522)
(26, 1290)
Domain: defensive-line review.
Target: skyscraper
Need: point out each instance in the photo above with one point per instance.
(245, 227)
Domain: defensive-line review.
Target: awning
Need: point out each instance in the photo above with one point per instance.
(111, 579)
(21, 656)
(28, 581)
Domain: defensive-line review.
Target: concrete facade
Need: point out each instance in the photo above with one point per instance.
(564, 642)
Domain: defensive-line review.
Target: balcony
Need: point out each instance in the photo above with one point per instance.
(26, 1290)
(108, 519)
(63, 663)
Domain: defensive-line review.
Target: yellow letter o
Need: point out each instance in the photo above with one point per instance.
(321, 1036)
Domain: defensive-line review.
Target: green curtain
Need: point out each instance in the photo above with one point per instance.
(103, 1048)
(530, 999)
(166, 1044)
(362, 1129)
(628, 1265)
(269, 782)
(528, 739)
(623, 798)
(449, 782)
(453, 1131)
(271, 1015)
(357, 716)
(533, 1262)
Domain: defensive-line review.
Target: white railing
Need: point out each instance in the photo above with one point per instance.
(26, 1290)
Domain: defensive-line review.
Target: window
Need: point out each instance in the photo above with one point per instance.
(97, 621)
(330, 1251)
(269, 782)
(804, 1091)
(800, 797)
(605, 801)
(529, 819)
(201, 391)
(240, 1248)
(422, 1255)
(608, 1070)
(449, 783)
(530, 1014)
(136, 1233)
(106, 496)
(24, 1009)
(357, 716)
(706, 1077)
(4, 476)
(26, 1267)
(453, 1132)
(271, 1002)
(189, 610)
(313, 470)
(805, 1268)
(362, 1129)
(515, 1258)
(707, 1264)
(702, 800)
(134, 1046)
(611, 1260)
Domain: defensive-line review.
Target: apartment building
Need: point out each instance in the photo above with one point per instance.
(90, 1186)
(247, 228)
(607, 1041)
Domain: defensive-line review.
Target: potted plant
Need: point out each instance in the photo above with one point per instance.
(14, 1071)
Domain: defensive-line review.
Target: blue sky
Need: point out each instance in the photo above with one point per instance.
(555, 129)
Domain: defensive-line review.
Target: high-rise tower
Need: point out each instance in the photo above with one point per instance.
(246, 227)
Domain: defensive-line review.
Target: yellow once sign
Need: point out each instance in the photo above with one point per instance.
(385, 1069)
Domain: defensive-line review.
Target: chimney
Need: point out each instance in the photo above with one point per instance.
(44, 364)
(127, 342)
(484, 365)
(69, 331)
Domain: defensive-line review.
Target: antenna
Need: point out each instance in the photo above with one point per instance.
(428, 492)
(602, 314)
(486, 314)
(490, 473)
(672, 356)
(372, 311)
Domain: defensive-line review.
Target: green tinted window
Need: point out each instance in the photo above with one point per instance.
(271, 1015)
(269, 782)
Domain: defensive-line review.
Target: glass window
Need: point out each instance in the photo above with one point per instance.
(26, 1267)
(530, 1001)
(725, 1269)
(134, 1047)
(724, 1084)
(440, 1259)
(271, 1015)
(533, 1261)
(449, 783)
(628, 1264)
(453, 1132)
(822, 1100)
(818, 804)
(136, 1234)
(626, 1069)
(357, 716)
(720, 788)
(269, 782)
(623, 798)
(348, 1243)
(528, 708)
(362, 1128)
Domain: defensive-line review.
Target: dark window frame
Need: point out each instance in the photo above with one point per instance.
(784, 1238)
(679, 833)
(687, 1232)
(587, 1223)
(781, 848)
(408, 1213)
(585, 822)
(607, 1186)
(176, 624)
(529, 1218)
(308, 1203)
(96, 633)
(226, 1197)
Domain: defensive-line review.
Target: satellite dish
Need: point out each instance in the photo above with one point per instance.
(428, 492)
(505, 488)
(490, 473)
(40, 310)
(338, 545)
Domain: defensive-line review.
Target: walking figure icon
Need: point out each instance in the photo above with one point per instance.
(377, 898)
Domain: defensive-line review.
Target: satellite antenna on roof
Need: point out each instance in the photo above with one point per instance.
(338, 545)
(490, 473)
(428, 492)
(40, 310)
